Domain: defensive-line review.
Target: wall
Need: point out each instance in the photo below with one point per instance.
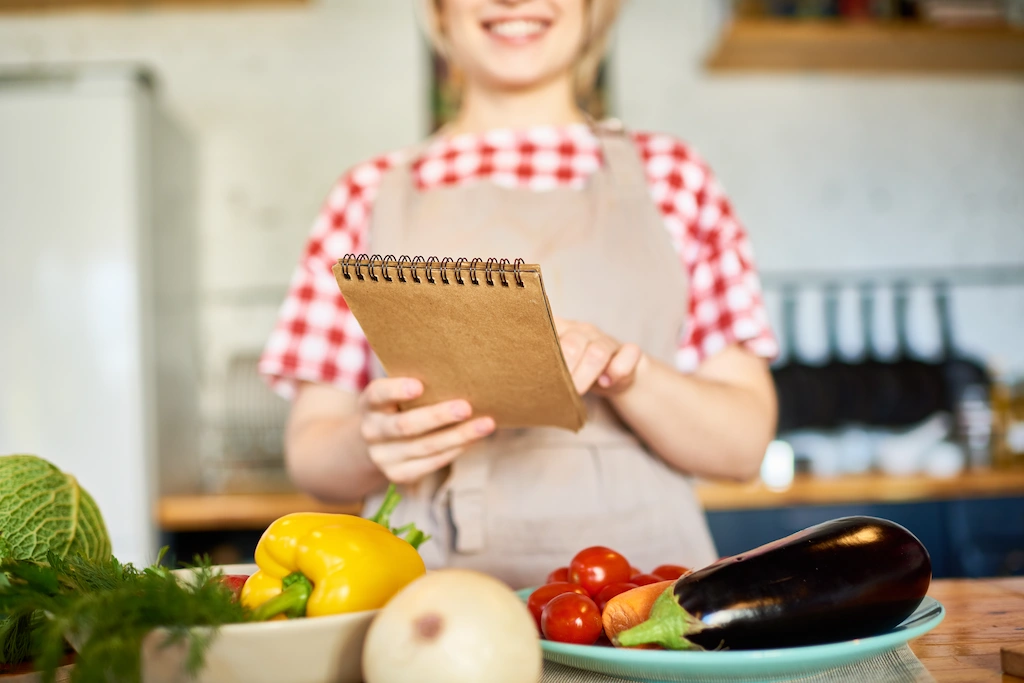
(827, 172)
(838, 173)
(274, 104)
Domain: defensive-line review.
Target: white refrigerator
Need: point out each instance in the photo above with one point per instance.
(97, 295)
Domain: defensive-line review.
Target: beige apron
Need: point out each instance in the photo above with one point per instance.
(523, 502)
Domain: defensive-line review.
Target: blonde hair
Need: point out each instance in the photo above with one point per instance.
(600, 16)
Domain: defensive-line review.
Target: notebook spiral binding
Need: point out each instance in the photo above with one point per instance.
(384, 264)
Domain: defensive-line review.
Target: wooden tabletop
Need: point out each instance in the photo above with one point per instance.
(257, 510)
(982, 615)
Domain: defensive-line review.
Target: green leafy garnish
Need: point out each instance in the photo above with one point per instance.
(77, 598)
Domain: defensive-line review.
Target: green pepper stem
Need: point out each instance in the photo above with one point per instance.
(290, 602)
(387, 506)
(667, 626)
(409, 532)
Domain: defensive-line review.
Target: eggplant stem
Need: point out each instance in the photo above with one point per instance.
(667, 626)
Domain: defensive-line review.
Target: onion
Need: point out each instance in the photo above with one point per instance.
(453, 626)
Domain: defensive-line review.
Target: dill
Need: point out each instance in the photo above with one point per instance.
(107, 609)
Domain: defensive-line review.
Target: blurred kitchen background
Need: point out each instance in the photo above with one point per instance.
(161, 163)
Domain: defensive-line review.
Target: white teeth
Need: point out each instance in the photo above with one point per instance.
(517, 28)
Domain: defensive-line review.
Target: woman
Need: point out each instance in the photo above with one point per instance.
(670, 353)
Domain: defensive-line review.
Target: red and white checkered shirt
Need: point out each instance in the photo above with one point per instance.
(317, 339)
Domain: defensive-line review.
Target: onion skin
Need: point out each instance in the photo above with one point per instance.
(453, 626)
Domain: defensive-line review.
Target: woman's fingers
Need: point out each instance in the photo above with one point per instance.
(411, 471)
(621, 371)
(592, 362)
(386, 393)
(391, 454)
(381, 426)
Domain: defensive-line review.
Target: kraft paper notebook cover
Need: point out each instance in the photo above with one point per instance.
(468, 328)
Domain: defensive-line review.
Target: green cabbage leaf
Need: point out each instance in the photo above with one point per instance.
(43, 509)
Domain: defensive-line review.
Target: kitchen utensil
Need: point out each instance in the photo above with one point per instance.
(959, 371)
(251, 456)
(882, 384)
(944, 460)
(921, 385)
(685, 666)
(902, 454)
(842, 381)
(794, 380)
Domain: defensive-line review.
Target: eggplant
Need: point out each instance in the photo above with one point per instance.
(847, 578)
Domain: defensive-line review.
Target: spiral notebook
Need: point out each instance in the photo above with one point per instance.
(475, 329)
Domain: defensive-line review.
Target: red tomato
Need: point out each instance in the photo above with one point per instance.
(571, 618)
(234, 582)
(609, 592)
(644, 579)
(670, 572)
(542, 596)
(560, 575)
(633, 571)
(596, 567)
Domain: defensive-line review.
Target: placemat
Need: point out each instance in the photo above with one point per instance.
(896, 666)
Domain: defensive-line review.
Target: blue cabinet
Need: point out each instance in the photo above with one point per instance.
(965, 538)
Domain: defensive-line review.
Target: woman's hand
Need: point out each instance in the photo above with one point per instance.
(597, 362)
(410, 444)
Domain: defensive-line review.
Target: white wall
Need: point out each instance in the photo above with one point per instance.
(275, 104)
(834, 172)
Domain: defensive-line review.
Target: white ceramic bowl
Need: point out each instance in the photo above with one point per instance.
(314, 650)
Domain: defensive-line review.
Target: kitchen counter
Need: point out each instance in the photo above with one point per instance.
(209, 512)
(982, 615)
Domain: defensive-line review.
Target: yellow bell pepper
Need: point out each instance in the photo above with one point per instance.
(314, 564)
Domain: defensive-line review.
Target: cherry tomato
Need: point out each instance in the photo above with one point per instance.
(571, 618)
(670, 572)
(234, 582)
(546, 593)
(596, 567)
(633, 571)
(560, 575)
(644, 579)
(609, 592)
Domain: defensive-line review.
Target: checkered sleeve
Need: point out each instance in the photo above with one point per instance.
(726, 305)
(316, 337)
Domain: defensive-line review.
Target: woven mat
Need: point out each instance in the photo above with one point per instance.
(896, 666)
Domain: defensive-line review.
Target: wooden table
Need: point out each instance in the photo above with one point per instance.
(982, 615)
(202, 512)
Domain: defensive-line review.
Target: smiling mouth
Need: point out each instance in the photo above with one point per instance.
(517, 29)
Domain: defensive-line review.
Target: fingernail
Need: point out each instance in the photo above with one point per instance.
(604, 381)
(461, 410)
(485, 426)
(412, 387)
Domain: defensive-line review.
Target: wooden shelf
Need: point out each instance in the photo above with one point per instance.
(862, 488)
(230, 511)
(787, 46)
(256, 511)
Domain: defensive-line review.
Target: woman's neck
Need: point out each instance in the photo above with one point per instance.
(485, 109)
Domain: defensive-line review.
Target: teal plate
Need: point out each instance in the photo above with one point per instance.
(671, 666)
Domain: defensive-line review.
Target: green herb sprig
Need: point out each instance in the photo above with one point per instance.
(108, 608)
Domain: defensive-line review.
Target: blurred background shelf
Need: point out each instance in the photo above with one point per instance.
(780, 45)
(215, 512)
(224, 511)
(862, 488)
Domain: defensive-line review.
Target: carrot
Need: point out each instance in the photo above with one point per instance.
(628, 609)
